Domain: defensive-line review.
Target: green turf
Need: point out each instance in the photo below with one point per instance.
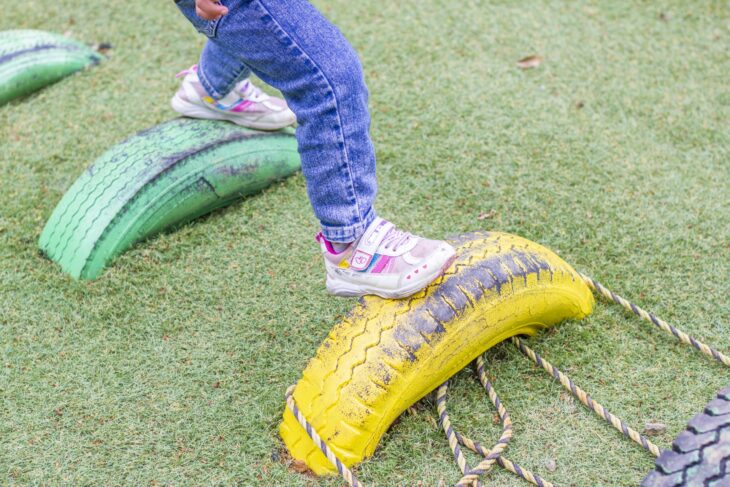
(171, 368)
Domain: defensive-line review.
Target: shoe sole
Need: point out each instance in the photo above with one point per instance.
(347, 290)
(194, 111)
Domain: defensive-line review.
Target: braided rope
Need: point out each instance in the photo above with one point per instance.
(489, 459)
(476, 447)
(450, 433)
(579, 393)
(344, 471)
(658, 322)
(490, 456)
(471, 476)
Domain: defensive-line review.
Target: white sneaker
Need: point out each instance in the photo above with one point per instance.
(385, 261)
(246, 105)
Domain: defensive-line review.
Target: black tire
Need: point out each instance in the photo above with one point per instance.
(700, 455)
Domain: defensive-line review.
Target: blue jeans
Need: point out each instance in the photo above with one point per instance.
(292, 47)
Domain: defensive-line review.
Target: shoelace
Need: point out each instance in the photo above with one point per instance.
(248, 91)
(185, 72)
(395, 238)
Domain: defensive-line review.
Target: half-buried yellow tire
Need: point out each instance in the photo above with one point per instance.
(388, 354)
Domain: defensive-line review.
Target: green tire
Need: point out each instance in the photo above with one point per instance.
(32, 59)
(157, 179)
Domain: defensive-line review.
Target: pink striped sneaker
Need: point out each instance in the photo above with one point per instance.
(385, 261)
(246, 105)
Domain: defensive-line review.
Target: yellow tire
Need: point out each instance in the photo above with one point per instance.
(388, 354)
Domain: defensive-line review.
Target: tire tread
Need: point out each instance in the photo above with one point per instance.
(700, 455)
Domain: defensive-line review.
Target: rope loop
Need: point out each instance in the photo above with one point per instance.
(345, 472)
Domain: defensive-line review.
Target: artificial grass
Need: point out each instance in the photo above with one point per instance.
(171, 368)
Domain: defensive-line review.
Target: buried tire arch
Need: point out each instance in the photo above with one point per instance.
(156, 180)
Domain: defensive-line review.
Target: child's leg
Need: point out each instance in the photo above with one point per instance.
(245, 104)
(292, 47)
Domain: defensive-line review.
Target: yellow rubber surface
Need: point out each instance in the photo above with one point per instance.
(388, 354)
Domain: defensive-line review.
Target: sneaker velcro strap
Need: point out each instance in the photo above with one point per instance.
(369, 243)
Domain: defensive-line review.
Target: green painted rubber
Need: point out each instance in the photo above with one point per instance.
(32, 59)
(156, 179)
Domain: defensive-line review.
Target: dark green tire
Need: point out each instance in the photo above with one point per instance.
(156, 179)
(32, 59)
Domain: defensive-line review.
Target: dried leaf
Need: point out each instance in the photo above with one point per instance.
(569, 402)
(487, 215)
(530, 62)
(216, 384)
(300, 467)
(653, 429)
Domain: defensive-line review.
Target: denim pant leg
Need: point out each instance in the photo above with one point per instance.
(292, 47)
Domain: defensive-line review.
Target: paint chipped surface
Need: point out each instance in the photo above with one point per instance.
(468, 284)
